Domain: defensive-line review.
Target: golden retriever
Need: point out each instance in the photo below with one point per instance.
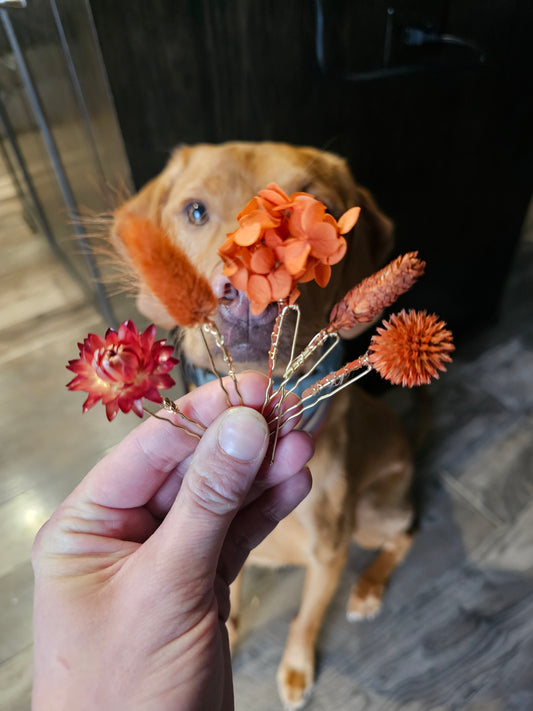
(362, 466)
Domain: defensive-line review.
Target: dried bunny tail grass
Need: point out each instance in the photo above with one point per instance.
(166, 270)
(368, 299)
(411, 348)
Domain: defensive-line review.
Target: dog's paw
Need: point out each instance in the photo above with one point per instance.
(365, 600)
(294, 685)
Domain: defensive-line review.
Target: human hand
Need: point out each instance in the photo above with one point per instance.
(132, 570)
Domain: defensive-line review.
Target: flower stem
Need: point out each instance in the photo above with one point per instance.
(214, 368)
(171, 406)
(211, 328)
(174, 424)
(283, 310)
(343, 382)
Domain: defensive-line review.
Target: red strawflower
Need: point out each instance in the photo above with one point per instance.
(122, 368)
(282, 241)
(411, 348)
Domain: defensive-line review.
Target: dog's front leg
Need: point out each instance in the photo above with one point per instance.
(297, 669)
(232, 625)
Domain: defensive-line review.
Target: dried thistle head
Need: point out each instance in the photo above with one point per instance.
(368, 299)
(411, 348)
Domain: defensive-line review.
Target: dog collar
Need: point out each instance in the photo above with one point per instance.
(312, 419)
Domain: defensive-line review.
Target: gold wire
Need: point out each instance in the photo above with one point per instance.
(283, 310)
(336, 389)
(323, 357)
(214, 369)
(170, 406)
(213, 329)
(174, 424)
(283, 393)
(308, 351)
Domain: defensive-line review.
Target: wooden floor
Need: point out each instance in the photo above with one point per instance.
(456, 629)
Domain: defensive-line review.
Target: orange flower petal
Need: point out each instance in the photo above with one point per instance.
(262, 260)
(230, 267)
(294, 256)
(274, 194)
(347, 221)
(248, 234)
(295, 293)
(311, 211)
(272, 238)
(281, 283)
(259, 293)
(322, 274)
(338, 254)
(239, 279)
(324, 240)
(309, 272)
(250, 207)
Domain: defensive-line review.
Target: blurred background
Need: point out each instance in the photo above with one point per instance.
(431, 103)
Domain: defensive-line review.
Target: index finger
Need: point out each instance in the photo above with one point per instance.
(135, 470)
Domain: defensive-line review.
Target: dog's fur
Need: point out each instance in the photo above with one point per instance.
(362, 467)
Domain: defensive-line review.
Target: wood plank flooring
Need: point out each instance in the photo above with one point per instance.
(456, 629)
(46, 447)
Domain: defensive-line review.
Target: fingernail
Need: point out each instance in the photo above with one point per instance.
(242, 433)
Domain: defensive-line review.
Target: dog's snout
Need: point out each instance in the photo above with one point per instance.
(230, 292)
(223, 288)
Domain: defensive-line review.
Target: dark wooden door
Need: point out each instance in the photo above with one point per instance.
(430, 101)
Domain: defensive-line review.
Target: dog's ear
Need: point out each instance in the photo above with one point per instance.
(370, 241)
(150, 200)
(378, 229)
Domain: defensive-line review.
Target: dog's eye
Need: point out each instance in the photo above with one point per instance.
(196, 213)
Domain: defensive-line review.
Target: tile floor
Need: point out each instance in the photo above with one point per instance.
(456, 628)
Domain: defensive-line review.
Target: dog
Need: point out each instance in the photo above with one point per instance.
(363, 465)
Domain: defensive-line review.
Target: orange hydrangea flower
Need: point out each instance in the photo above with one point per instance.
(282, 241)
(411, 348)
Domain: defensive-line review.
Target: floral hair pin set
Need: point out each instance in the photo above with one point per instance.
(281, 241)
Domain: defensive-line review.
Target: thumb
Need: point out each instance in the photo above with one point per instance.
(214, 488)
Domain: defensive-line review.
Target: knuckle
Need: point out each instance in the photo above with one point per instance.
(217, 491)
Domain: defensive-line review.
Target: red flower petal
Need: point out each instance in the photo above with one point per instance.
(126, 367)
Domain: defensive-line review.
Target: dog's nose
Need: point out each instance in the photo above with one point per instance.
(223, 288)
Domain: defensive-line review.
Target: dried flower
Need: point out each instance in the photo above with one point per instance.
(122, 368)
(167, 271)
(282, 241)
(411, 348)
(368, 299)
